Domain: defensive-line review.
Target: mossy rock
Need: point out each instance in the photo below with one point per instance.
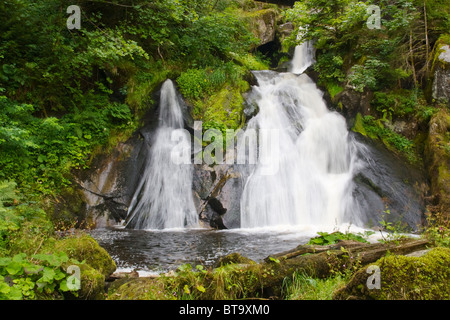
(92, 284)
(359, 125)
(404, 278)
(84, 248)
(437, 159)
(225, 107)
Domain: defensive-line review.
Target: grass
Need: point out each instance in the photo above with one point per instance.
(303, 287)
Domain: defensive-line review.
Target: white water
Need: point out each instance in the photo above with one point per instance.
(163, 198)
(316, 158)
(303, 57)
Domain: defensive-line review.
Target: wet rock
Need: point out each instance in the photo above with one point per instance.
(350, 103)
(388, 184)
(221, 189)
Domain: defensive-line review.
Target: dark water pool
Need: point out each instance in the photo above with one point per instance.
(157, 251)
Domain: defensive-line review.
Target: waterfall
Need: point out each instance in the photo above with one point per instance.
(163, 198)
(303, 57)
(316, 157)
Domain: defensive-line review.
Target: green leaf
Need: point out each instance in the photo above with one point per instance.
(48, 275)
(186, 289)
(15, 294)
(201, 288)
(63, 286)
(4, 288)
(5, 261)
(14, 268)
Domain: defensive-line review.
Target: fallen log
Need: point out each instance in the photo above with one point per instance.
(322, 262)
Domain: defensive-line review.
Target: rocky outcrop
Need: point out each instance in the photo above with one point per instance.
(440, 90)
(437, 161)
(350, 103)
(388, 188)
(217, 191)
(263, 24)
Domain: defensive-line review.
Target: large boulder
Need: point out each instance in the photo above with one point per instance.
(95, 264)
(440, 89)
(218, 192)
(263, 24)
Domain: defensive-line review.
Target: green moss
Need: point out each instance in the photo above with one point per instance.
(92, 284)
(333, 89)
(443, 40)
(359, 125)
(437, 156)
(233, 258)
(404, 278)
(83, 247)
(225, 107)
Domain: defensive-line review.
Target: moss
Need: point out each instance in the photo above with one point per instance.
(225, 107)
(83, 247)
(359, 125)
(92, 284)
(402, 277)
(437, 158)
(443, 40)
(235, 258)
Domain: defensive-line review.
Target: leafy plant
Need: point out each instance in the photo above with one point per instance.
(24, 278)
(326, 238)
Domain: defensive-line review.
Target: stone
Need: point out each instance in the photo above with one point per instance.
(441, 81)
(351, 102)
(263, 24)
(438, 85)
(437, 161)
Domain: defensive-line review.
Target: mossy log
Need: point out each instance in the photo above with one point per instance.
(323, 261)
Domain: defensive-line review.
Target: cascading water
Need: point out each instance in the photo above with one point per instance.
(303, 57)
(163, 199)
(316, 158)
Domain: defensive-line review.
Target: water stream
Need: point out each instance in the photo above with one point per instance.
(163, 198)
(311, 190)
(315, 158)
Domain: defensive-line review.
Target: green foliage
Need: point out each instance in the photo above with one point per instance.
(394, 141)
(398, 104)
(326, 238)
(368, 75)
(39, 153)
(375, 59)
(438, 229)
(41, 276)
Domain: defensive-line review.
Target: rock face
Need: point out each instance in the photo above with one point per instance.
(263, 24)
(351, 103)
(218, 191)
(387, 188)
(441, 73)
